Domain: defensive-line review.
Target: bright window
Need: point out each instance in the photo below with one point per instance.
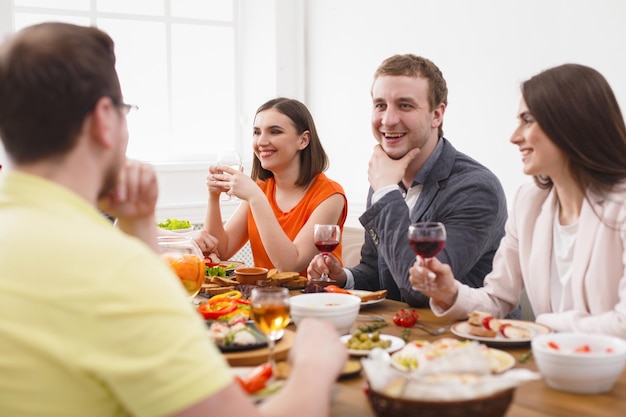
(176, 61)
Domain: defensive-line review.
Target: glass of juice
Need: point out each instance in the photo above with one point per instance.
(269, 308)
(185, 258)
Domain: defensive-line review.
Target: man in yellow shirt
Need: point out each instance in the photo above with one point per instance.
(92, 322)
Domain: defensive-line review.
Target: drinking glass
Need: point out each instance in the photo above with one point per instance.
(269, 308)
(231, 159)
(427, 239)
(326, 237)
(185, 258)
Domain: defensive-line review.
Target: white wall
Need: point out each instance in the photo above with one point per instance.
(324, 52)
(484, 48)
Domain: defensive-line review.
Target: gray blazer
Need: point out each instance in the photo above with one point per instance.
(459, 192)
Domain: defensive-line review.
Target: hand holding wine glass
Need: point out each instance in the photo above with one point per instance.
(327, 238)
(231, 159)
(269, 307)
(427, 239)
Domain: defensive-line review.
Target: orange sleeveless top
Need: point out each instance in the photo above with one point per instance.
(293, 220)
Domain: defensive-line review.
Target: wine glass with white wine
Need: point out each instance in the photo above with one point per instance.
(269, 307)
(230, 159)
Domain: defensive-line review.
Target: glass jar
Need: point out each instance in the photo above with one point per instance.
(185, 258)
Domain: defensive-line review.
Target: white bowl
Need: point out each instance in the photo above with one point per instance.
(565, 369)
(339, 309)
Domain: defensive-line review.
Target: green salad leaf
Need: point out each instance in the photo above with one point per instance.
(174, 224)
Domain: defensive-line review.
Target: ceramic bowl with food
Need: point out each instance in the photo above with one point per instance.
(250, 274)
(339, 309)
(580, 363)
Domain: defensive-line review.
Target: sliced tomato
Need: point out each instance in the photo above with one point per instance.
(503, 327)
(256, 379)
(486, 322)
(553, 345)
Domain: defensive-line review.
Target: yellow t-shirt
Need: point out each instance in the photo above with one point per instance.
(92, 322)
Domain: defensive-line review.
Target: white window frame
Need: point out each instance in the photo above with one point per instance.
(270, 62)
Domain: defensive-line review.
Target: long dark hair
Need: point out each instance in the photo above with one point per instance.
(313, 158)
(576, 108)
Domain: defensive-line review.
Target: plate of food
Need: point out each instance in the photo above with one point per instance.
(369, 297)
(484, 328)
(418, 352)
(237, 336)
(361, 344)
(217, 268)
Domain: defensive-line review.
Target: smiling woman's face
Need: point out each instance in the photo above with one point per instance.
(540, 156)
(275, 139)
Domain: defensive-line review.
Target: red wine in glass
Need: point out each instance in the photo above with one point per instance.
(427, 239)
(326, 238)
(327, 246)
(427, 248)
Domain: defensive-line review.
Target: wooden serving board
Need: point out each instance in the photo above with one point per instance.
(258, 356)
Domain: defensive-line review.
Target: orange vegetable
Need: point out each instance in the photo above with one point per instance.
(256, 379)
(336, 289)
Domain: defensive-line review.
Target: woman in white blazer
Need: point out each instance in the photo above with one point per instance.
(565, 239)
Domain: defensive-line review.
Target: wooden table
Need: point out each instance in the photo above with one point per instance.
(532, 399)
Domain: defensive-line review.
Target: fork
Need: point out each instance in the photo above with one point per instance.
(433, 332)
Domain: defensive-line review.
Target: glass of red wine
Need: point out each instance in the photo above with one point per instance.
(427, 239)
(326, 237)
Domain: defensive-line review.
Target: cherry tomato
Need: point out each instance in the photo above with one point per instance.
(336, 289)
(405, 318)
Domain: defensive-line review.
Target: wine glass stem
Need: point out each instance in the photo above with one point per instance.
(324, 276)
(270, 345)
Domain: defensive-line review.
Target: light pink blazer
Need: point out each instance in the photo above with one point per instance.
(523, 260)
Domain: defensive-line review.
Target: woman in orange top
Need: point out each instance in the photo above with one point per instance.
(286, 194)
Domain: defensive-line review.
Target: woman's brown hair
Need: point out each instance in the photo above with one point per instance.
(313, 158)
(576, 108)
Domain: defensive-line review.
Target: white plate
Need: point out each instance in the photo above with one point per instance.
(462, 329)
(360, 293)
(396, 344)
(500, 361)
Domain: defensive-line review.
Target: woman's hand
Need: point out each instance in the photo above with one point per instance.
(206, 241)
(231, 181)
(435, 280)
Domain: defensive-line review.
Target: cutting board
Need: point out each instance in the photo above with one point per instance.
(258, 356)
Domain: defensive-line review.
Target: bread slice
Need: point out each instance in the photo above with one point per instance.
(214, 289)
(476, 318)
(282, 277)
(480, 331)
(376, 295)
(299, 282)
(516, 332)
(222, 281)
